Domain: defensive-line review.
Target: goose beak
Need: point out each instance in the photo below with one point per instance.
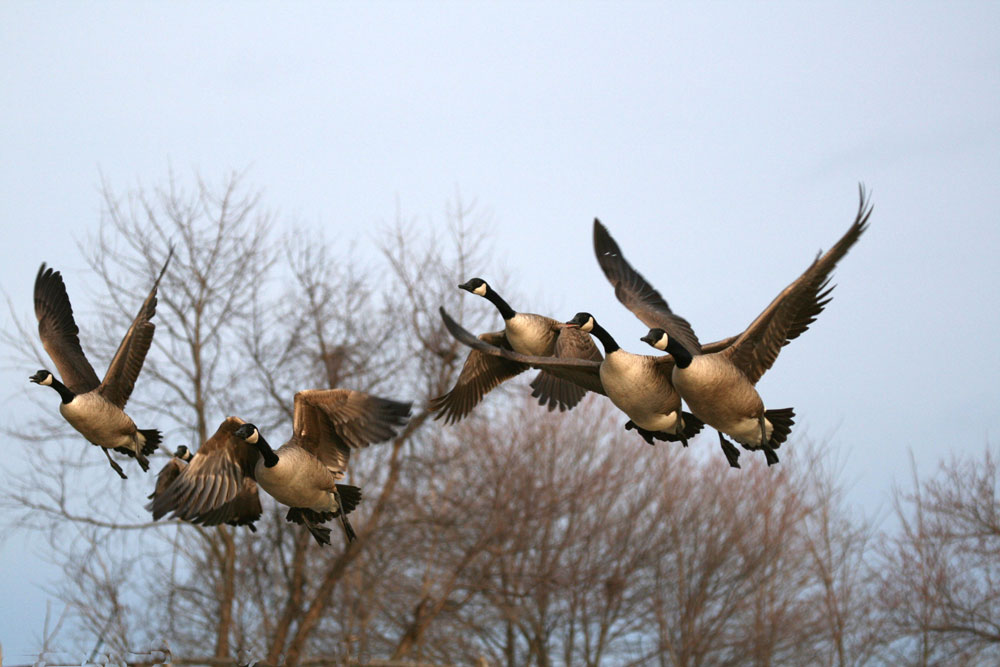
(647, 339)
(571, 325)
(466, 286)
(37, 377)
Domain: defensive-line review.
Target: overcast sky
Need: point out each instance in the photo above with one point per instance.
(721, 143)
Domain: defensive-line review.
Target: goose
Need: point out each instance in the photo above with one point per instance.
(303, 473)
(95, 407)
(529, 334)
(719, 387)
(224, 500)
(638, 385)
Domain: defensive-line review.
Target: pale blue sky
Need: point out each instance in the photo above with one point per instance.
(721, 143)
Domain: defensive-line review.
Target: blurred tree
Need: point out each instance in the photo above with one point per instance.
(940, 576)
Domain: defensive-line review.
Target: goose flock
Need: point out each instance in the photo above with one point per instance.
(220, 482)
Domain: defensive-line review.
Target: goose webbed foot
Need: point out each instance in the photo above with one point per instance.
(729, 449)
(114, 466)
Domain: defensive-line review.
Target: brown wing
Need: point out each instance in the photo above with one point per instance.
(571, 343)
(243, 510)
(59, 333)
(583, 372)
(798, 305)
(213, 477)
(127, 362)
(481, 374)
(636, 294)
(328, 421)
(168, 473)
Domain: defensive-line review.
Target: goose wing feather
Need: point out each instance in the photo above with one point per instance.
(636, 294)
(481, 374)
(212, 478)
(797, 306)
(127, 362)
(59, 333)
(329, 423)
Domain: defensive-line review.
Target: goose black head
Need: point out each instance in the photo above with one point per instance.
(658, 338)
(583, 321)
(661, 340)
(42, 377)
(183, 453)
(248, 433)
(476, 286)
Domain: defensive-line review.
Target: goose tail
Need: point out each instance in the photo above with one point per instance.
(781, 424)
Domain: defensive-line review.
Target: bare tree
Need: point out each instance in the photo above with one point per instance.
(940, 575)
(516, 537)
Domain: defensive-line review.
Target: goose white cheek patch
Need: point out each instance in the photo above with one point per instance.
(481, 290)
(48, 380)
(253, 437)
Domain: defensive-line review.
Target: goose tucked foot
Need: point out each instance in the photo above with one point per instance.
(650, 436)
(769, 454)
(729, 449)
(114, 466)
(344, 509)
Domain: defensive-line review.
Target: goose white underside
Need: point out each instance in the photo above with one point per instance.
(101, 422)
(747, 431)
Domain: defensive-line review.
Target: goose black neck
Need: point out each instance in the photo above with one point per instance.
(63, 390)
(682, 358)
(505, 310)
(270, 458)
(606, 340)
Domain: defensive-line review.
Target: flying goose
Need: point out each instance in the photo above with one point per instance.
(639, 385)
(528, 334)
(221, 498)
(93, 407)
(718, 386)
(303, 473)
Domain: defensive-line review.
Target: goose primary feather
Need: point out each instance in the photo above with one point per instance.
(95, 407)
(303, 473)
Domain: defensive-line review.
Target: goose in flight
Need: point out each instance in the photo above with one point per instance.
(719, 386)
(526, 333)
(95, 408)
(303, 473)
(241, 509)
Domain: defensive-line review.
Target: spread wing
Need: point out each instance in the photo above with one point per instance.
(127, 362)
(215, 476)
(636, 294)
(168, 473)
(330, 422)
(480, 374)
(59, 333)
(583, 372)
(796, 307)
